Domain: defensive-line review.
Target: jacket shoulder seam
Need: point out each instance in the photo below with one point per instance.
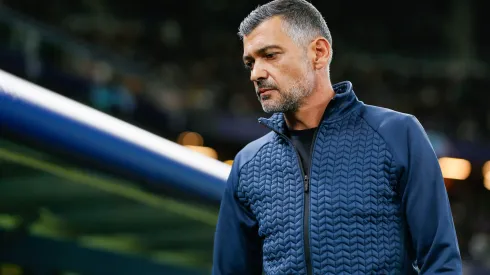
(248, 161)
(382, 137)
(394, 157)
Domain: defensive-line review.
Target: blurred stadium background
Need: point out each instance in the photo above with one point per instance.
(173, 69)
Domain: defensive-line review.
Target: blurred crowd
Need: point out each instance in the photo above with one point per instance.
(161, 65)
(183, 60)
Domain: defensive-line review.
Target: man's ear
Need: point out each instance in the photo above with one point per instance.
(322, 52)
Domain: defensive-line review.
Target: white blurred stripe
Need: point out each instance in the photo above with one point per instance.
(19, 88)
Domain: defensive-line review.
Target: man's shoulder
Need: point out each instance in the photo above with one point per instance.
(250, 150)
(396, 128)
(384, 119)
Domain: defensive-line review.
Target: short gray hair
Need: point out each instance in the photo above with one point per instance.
(303, 21)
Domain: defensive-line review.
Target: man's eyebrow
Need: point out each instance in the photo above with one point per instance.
(261, 51)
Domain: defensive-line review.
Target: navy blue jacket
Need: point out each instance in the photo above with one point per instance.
(374, 201)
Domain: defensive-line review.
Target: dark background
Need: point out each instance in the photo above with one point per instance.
(175, 66)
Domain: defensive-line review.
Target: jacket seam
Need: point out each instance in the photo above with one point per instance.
(246, 163)
(394, 154)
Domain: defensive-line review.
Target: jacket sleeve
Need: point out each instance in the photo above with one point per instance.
(237, 246)
(427, 208)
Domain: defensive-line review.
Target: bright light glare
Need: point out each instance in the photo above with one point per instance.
(190, 138)
(486, 168)
(207, 151)
(486, 175)
(486, 181)
(453, 168)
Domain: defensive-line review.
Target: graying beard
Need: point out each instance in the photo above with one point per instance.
(289, 104)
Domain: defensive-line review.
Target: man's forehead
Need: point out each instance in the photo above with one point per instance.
(267, 33)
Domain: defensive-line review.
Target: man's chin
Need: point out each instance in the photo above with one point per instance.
(270, 109)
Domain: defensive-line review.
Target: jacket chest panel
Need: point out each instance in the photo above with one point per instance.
(351, 177)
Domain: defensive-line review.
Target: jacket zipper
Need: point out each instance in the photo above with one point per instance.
(306, 219)
(306, 227)
(306, 206)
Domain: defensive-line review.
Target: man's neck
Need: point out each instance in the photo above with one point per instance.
(311, 112)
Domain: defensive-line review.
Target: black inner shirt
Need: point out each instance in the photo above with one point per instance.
(302, 140)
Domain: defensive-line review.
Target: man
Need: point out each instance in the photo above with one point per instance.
(337, 186)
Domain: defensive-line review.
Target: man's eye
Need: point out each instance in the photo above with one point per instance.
(270, 55)
(249, 65)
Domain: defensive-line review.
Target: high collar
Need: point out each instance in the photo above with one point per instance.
(343, 102)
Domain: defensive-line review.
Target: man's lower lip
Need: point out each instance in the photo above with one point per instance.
(266, 91)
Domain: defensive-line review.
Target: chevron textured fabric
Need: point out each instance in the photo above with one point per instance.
(355, 218)
(376, 201)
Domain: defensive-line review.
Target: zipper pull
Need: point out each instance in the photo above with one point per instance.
(307, 184)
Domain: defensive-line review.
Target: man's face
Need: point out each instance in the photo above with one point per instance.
(279, 68)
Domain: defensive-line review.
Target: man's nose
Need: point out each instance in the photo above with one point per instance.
(258, 73)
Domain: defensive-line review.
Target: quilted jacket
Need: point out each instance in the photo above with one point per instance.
(374, 201)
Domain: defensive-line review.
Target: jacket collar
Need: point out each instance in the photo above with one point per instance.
(343, 102)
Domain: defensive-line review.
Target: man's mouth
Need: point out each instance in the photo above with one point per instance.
(264, 90)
